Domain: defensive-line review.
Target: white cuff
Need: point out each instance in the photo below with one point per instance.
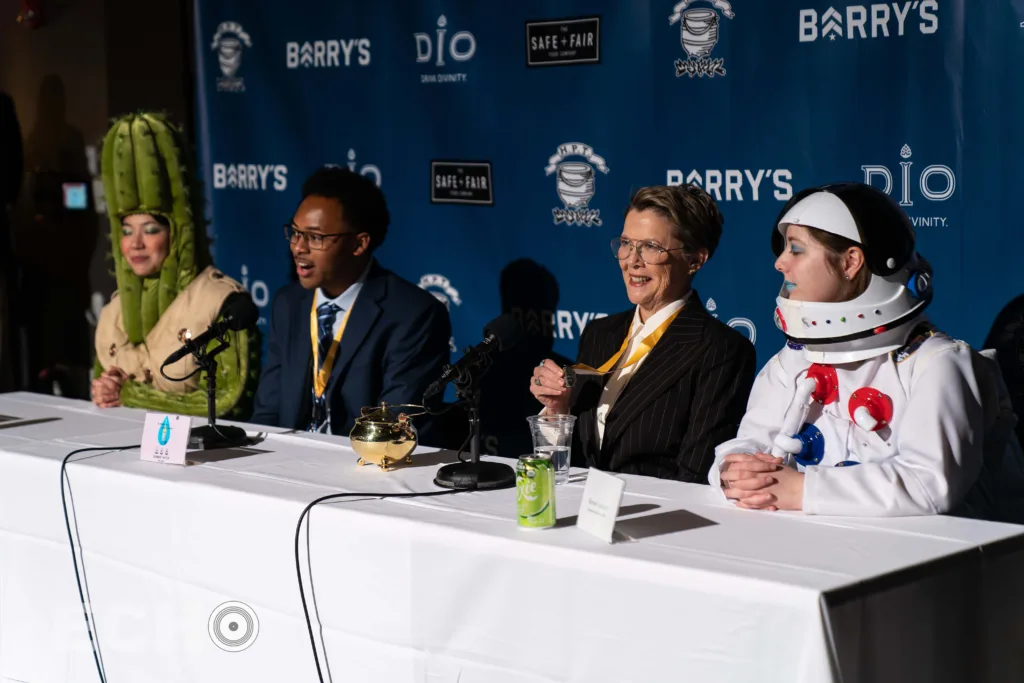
(715, 478)
(810, 504)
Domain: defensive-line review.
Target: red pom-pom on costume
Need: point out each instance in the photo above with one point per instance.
(827, 390)
(870, 408)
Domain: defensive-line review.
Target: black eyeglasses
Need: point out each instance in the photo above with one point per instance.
(315, 240)
(650, 253)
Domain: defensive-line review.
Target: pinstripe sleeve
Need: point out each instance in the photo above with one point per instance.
(720, 398)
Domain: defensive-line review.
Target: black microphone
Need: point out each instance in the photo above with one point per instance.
(237, 313)
(500, 334)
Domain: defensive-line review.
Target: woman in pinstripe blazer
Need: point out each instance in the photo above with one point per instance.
(671, 381)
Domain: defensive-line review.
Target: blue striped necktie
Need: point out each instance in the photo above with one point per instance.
(325, 316)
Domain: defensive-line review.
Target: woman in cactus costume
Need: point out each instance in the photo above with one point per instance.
(165, 285)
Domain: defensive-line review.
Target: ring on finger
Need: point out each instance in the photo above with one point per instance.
(536, 380)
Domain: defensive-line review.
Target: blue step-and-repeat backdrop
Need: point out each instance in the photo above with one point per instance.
(508, 136)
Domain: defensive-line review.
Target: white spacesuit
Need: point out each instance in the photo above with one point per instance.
(883, 414)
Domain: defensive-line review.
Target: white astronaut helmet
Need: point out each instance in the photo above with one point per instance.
(899, 280)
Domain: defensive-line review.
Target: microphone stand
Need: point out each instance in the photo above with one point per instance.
(212, 436)
(474, 474)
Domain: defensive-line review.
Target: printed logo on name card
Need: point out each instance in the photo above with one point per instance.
(559, 42)
(461, 182)
(165, 438)
(163, 435)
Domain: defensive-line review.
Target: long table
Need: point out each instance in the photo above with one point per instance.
(449, 588)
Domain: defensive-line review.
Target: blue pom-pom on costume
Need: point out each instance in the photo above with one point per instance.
(813, 446)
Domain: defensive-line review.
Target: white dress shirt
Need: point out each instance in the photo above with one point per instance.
(620, 376)
(344, 301)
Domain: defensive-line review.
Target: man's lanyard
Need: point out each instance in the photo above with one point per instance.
(323, 374)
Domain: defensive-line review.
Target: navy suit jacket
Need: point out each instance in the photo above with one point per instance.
(394, 345)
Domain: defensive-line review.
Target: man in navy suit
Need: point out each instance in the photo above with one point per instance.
(349, 333)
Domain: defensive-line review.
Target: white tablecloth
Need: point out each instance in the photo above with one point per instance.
(449, 589)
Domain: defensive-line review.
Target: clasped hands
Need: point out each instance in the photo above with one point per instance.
(761, 482)
(106, 389)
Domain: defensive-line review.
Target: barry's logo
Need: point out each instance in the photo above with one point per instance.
(575, 183)
(228, 42)
(327, 53)
(698, 34)
(878, 20)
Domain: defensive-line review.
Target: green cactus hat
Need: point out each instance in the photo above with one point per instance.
(145, 170)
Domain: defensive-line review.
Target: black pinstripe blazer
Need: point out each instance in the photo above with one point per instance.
(687, 397)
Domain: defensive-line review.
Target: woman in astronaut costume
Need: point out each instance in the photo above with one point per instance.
(868, 410)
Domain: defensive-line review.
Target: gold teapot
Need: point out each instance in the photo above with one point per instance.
(382, 439)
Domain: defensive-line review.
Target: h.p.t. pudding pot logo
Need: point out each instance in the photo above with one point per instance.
(229, 42)
(576, 183)
(698, 34)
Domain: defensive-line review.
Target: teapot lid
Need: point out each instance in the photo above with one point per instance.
(382, 413)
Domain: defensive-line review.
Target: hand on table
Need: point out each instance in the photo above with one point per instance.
(759, 481)
(106, 389)
(548, 386)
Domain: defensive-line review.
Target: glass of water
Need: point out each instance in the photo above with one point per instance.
(552, 439)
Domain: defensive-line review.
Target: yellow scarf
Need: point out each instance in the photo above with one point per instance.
(646, 344)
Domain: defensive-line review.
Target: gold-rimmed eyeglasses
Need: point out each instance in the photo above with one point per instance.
(650, 253)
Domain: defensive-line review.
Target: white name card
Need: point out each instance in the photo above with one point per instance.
(602, 497)
(165, 438)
